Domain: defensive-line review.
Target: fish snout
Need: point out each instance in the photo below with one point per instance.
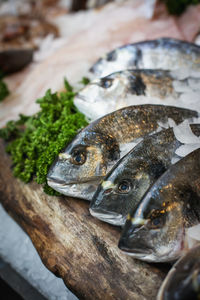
(97, 201)
(133, 245)
(107, 216)
(51, 180)
(124, 244)
(133, 239)
(97, 211)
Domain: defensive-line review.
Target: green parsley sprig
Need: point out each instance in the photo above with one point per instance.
(35, 141)
(4, 92)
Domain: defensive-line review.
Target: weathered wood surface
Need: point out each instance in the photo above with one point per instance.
(74, 245)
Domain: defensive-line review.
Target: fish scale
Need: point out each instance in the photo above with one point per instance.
(182, 281)
(163, 53)
(132, 87)
(158, 228)
(140, 168)
(97, 148)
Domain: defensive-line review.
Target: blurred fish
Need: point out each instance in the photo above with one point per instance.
(135, 87)
(126, 183)
(183, 280)
(13, 60)
(163, 53)
(87, 159)
(159, 229)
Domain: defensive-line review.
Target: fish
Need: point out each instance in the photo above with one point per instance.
(13, 60)
(135, 87)
(59, 58)
(126, 183)
(160, 228)
(163, 53)
(183, 280)
(81, 166)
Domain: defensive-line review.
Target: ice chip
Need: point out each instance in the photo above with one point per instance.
(171, 122)
(184, 134)
(193, 235)
(186, 149)
(175, 159)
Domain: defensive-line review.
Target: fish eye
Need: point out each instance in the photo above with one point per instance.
(78, 157)
(157, 220)
(124, 186)
(106, 82)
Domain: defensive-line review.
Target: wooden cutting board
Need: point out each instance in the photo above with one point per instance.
(75, 246)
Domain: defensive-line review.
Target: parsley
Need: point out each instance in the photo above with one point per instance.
(85, 81)
(4, 92)
(35, 141)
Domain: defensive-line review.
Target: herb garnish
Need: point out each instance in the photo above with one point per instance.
(35, 141)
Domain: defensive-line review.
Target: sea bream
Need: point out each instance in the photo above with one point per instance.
(135, 87)
(87, 159)
(183, 280)
(163, 225)
(163, 53)
(126, 183)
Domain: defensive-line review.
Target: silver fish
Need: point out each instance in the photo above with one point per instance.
(160, 228)
(183, 280)
(126, 183)
(164, 53)
(87, 159)
(135, 87)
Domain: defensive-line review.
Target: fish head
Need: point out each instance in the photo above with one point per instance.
(183, 280)
(121, 190)
(103, 95)
(122, 58)
(79, 168)
(155, 230)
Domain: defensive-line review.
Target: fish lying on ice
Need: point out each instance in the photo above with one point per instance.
(161, 226)
(135, 87)
(87, 159)
(163, 53)
(183, 280)
(126, 183)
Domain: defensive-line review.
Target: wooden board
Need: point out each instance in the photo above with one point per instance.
(74, 245)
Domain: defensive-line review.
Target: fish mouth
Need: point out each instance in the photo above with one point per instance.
(136, 252)
(111, 218)
(81, 97)
(62, 184)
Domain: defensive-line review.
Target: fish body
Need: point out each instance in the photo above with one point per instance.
(135, 87)
(125, 185)
(87, 159)
(163, 53)
(183, 280)
(161, 226)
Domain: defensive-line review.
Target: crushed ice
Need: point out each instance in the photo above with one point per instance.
(184, 135)
(193, 235)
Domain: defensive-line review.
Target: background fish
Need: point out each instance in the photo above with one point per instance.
(87, 159)
(13, 60)
(160, 228)
(126, 183)
(183, 280)
(163, 53)
(134, 87)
